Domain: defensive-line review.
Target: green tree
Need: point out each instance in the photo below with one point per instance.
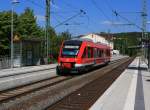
(27, 26)
(56, 41)
(123, 41)
(5, 30)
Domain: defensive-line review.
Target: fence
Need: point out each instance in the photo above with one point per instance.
(5, 62)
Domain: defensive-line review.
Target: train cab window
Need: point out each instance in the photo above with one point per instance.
(70, 51)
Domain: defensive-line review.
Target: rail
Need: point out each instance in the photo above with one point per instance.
(53, 92)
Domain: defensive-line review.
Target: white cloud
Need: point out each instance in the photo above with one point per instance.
(107, 22)
(111, 23)
(148, 22)
(114, 23)
(40, 17)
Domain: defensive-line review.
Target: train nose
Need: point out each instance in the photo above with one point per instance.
(68, 65)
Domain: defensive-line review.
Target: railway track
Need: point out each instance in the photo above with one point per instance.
(10, 79)
(47, 92)
(15, 81)
(85, 97)
(16, 92)
(24, 70)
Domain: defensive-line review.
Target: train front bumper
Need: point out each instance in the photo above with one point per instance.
(70, 70)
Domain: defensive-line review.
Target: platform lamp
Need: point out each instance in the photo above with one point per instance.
(12, 30)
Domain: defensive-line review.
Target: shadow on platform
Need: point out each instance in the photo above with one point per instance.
(148, 80)
(138, 68)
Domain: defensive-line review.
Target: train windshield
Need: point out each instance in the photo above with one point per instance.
(70, 50)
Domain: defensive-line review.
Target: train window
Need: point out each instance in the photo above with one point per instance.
(107, 52)
(89, 52)
(70, 51)
(92, 49)
(100, 52)
(84, 53)
(95, 53)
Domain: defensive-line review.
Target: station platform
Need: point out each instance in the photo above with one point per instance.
(27, 69)
(131, 90)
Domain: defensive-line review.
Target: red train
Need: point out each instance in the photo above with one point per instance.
(80, 55)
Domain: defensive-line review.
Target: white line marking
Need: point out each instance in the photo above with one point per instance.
(130, 100)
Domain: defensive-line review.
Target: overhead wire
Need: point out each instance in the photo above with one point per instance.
(117, 14)
(100, 10)
(108, 4)
(72, 17)
(40, 6)
(57, 13)
(70, 6)
(35, 3)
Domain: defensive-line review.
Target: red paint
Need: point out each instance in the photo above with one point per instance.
(91, 50)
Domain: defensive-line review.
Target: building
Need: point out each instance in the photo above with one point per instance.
(105, 39)
(27, 52)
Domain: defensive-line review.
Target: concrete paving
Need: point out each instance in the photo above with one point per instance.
(23, 70)
(116, 57)
(11, 78)
(14, 77)
(129, 92)
(24, 79)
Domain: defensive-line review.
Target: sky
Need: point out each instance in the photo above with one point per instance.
(99, 15)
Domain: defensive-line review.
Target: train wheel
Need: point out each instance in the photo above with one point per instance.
(58, 71)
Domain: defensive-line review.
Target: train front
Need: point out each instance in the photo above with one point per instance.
(68, 57)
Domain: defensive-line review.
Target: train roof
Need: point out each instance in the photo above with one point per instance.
(72, 42)
(79, 42)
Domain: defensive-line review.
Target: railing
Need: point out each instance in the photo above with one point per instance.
(5, 62)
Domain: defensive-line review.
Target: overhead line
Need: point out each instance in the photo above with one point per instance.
(100, 10)
(108, 4)
(38, 5)
(67, 4)
(76, 8)
(35, 3)
(81, 12)
(70, 6)
(117, 14)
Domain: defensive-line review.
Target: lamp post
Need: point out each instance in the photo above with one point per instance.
(12, 32)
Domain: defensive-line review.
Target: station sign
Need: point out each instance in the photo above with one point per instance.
(71, 46)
